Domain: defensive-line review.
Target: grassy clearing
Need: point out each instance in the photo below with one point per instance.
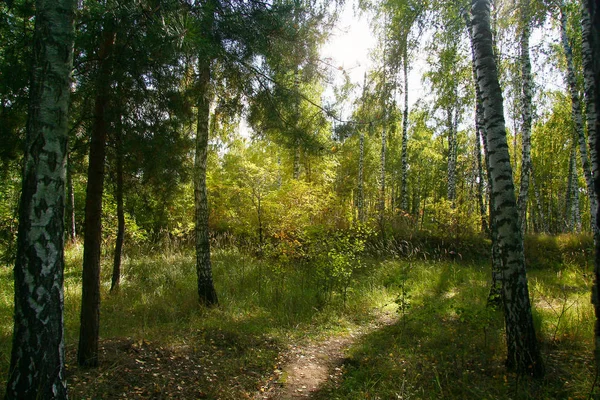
(448, 344)
(158, 343)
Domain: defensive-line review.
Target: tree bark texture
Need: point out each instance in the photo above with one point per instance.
(577, 116)
(526, 96)
(592, 72)
(590, 107)
(37, 364)
(87, 354)
(523, 353)
(206, 291)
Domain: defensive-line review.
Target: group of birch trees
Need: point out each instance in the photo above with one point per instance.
(150, 99)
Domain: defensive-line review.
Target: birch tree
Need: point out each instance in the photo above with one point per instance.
(526, 117)
(591, 49)
(576, 113)
(37, 365)
(523, 352)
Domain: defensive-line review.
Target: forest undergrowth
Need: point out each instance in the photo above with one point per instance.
(156, 342)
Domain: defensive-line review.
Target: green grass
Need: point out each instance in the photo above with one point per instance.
(445, 344)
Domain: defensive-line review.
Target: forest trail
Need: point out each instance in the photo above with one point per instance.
(307, 367)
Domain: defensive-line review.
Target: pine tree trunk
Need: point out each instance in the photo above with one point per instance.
(404, 155)
(37, 364)
(116, 272)
(206, 291)
(526, 96)
(523, 353)
(87, 354)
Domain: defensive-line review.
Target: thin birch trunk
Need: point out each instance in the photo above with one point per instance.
(361, 193)
(523, 354)
(451, 177)
(526, 96)
(572, 209)
(591, 58)
(71, 202)
(577, 115)
(404, 155)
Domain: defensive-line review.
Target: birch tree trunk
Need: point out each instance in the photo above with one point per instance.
(523, 353)
(37, 364)
(451, 184)
(526, 96)
(87, 354)
(572, 209)
(382, 180)
(206, 291)
(590, 108)
(577, 116)
(361, 191)
(404, 155)
(71, 203)
(591, 60)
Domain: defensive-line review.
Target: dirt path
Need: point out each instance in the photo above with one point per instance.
(308, 366)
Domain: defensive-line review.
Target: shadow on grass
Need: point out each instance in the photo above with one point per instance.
(449, 345)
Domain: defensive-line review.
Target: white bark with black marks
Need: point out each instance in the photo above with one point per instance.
(577, 116)
(526, 120)
(523, 353)
(37, 365)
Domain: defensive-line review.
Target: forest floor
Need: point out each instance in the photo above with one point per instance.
(144, 370)
(309, 366)
(409, 330)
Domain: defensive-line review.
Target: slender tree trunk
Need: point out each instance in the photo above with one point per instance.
(116, 272)
(206, 291)
(71, 202)
(523, 352)
(479, 138)
(297, 149)
(543, 222)
(590, 109)
(361, 191)
(37, 364)
(591, 58)
(451, 156)
(382, 180)
(87, 354)
(572, 209)
(404, 155)
(526, 96)
(577, 115)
